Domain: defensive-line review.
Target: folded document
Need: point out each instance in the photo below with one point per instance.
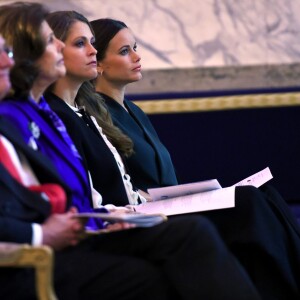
(199, 196)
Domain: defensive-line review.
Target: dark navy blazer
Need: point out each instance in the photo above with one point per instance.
(97, 157)
(157, 169)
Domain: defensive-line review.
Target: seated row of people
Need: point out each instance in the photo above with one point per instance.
(68, 87)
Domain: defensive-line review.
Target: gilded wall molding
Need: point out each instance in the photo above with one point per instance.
(218, 103)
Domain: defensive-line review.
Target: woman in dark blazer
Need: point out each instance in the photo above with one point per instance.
(248, 223)
(157, 168)
(96, 155)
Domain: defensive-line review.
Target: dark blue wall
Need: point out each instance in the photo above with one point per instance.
(233, 144)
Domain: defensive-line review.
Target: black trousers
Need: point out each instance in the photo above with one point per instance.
(264, 235)
(183, 258)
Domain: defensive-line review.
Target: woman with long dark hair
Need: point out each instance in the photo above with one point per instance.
(150, 165)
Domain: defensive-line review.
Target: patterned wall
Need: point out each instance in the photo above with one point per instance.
(195, 33)
(217, 44)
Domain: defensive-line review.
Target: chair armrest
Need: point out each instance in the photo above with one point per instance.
(40, 258)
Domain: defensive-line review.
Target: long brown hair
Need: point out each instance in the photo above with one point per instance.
(95, 106)
(61, 22)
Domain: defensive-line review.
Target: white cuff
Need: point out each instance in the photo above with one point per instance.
(37, 234)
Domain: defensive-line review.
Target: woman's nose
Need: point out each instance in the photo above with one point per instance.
(93, 50)
(137, 57)
(60, 44)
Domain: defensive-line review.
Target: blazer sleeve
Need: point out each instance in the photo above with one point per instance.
(19, 208)
(13, 230)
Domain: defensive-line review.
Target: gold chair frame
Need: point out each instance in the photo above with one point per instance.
(40, 258)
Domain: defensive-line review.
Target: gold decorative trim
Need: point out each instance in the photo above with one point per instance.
(218, 103)
(40, 258)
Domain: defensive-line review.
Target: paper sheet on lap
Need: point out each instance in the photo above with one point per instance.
(199, 196)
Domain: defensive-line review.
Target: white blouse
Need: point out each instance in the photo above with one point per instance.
(132, 195)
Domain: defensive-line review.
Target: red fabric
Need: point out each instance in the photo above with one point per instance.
(54, 193)
(7, 162)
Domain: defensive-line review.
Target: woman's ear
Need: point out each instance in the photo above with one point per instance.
(99, 69)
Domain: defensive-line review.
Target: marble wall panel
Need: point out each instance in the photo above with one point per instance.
(215, 42)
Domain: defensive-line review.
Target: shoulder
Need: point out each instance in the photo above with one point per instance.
(135, 110)
(57, 104)
(13, 108)
(10, 107)
(134, 107)
(9, 129)
(65, 113)
(139, 114)
(17, 113)
(76, 127)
